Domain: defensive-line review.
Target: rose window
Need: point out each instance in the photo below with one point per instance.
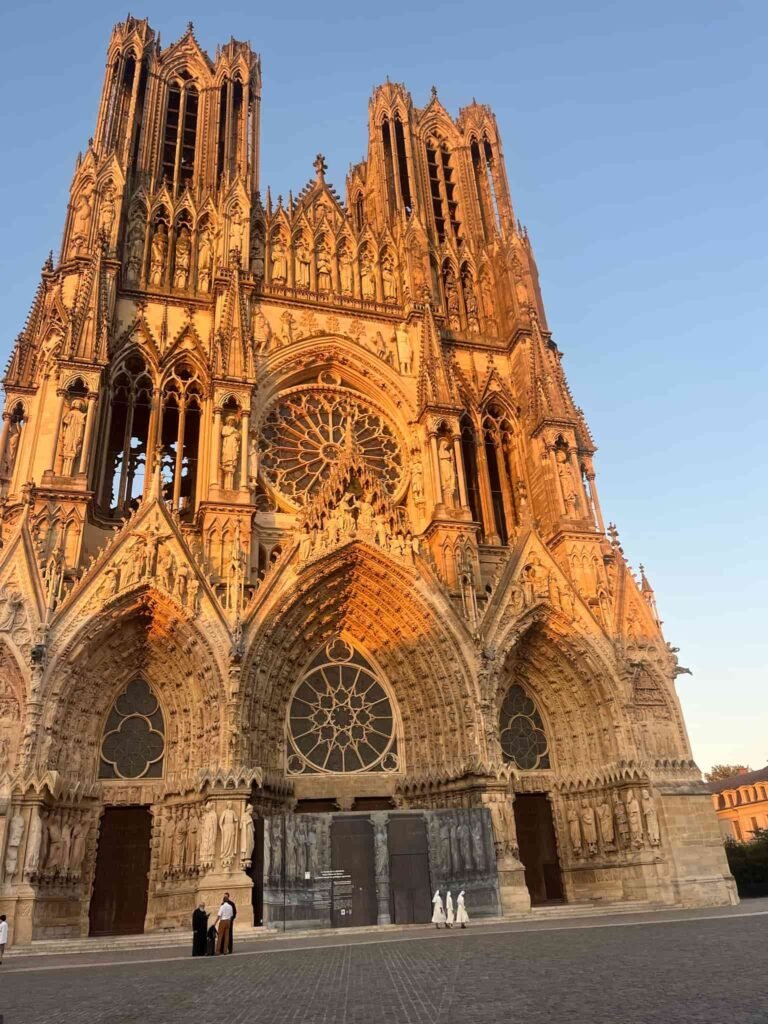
(340, 718)
(523, 740)
(305, 432)
(133, 743)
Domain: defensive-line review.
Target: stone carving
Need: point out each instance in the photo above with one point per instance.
(588, 826)
(447, 472)
(607, 828)
(230, 451)
(204, 260)
(77, 854)
(566, 481)
(388, 281)
(72, 432)
(158, 254)
(34, 841)
(345, 271)
(15, 835)
(179, 844)
(621, 819)
(81, 221)
(11, 608)
(367, 279)
(208, 834)
(574, 829)
(279, 261)
(55, 859)
(107, 211)
(275, 850)
(651, 819)
(635, 820)
(247, 837)
(134, 245)
(323, 270)
(504, 830)
(302, 265)
(404, 349)
(228, 826)
(183, 259)
(452, 301)
(257, 253)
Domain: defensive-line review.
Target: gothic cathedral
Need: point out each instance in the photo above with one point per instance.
(303, 572)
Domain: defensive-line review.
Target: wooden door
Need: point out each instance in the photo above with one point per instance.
(119, 900)
(538, 849)
(409, 886)
(353, 865)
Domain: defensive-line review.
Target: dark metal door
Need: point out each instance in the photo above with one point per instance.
(354, 884)
(538, 849)
(409, 886)
(119, 900)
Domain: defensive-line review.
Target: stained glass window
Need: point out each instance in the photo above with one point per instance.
(305, 432)
(523, 740)
(134, 744)
(340, 718)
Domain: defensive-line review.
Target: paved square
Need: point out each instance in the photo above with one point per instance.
(697, 971)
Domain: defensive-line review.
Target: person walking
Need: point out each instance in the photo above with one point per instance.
(450, 917)
(223, 925)
(199, 930)
(232, 925)
(462, 917)
(3, 935)
(438, 914)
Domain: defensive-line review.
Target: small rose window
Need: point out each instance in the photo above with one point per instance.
(134, 736)
(523, 740)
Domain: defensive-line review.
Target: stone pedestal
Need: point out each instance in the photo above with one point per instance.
(515, 898)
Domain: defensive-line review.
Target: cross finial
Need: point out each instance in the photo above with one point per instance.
(320, 166)
(190, 28)
(434, 92)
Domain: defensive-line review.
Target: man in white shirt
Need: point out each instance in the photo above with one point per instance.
(3, 935)
(223, 924)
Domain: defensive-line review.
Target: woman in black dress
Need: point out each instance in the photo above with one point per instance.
(199, 930)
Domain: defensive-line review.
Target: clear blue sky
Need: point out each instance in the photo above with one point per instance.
(635, 141)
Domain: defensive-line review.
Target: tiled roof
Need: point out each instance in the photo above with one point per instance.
(734, 781)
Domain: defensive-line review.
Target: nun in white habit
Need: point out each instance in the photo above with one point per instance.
(462, 917)
(438, 914)
(450, 917)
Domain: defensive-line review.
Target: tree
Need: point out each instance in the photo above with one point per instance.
(725, 771)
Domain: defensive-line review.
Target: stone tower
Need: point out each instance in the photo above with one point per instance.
(298, 515)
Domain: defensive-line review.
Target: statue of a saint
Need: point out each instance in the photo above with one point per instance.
(228, 826)
(607, 828)
(367, 279)
(345, 271)
(204, 260)
(183, 258)
(77, 852)
(621, 819)
(81, 222)
(404, 349)
(651, 818)
(447, 472)
(208, 837)
(388, 280)
(257, 253)
(159, 252)
(588, 826)
(635, 820)
(247, 837)
(11, 448)
(107, 212)
(15, 833)
(452, 302)
(134, 246)
(230, 451)
(193, 828)
(574, 829)
(72, 431)
(323, 270)
(179, 847)
(34, 840)
(253, 461)
(302, 265)
(279, 262)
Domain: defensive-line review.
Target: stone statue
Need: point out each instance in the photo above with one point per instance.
(345, 271)
(230, 451)
(179, 847)
(279, 262)
(193, 829)
(236, 229)
(588, 826)
(34, 841)
(404, 349)
(253, 460)
(276, 850)
(452, 302)
(566, 481)
(651, 818)
(635, 819)
(66, 840)
(323, 270)
(470, 304)
(388, 281)
(228, 826)
(247, 837)
(107, 211)
(166, 844)
(574, 829)
(365, 516)
(77, 854)
(81, 221)
(257, 254)
(367, 280)
(417, 482)
(447, 472)
(621, 819)
(183, 259)
(134, 246)
(55, 843)
(208, 837)
(72, 432)
(158, 254)
(302, 265)
(290, 851)
(15, 834)
(204, 261)
(607, 828)
(11, 602)
(504, 831)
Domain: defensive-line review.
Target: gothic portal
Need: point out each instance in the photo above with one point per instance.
(298, 515)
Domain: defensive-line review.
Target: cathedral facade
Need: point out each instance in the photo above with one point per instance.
(302, 551)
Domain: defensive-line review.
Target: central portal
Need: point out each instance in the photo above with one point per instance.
(119, 900)
(538, 848)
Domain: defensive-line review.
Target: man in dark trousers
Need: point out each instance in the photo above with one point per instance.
(234, 915)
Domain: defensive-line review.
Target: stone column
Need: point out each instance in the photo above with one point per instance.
(592, 493)
(381, 859)
(90, 418)
(61, 394)
(213, 475)
(484, 486)
(460, 471)
(436, 468)
(513, 892)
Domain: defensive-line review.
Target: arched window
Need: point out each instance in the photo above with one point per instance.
(523, 740)
(469, 458)
(442, 187)
(497, 436)
(180, 132)
(182, 402)
(402, 166)
(340, 718)
(359, 212)
(128, 433)
(133, 743)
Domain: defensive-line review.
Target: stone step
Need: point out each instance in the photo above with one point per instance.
(150, 940)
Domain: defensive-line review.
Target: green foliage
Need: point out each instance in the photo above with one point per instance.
(748, 862)
(725, 771)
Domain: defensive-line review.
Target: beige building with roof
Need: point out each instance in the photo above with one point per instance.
(741, 803)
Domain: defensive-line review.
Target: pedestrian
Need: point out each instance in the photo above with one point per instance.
(210, 946)
(232, 925)
(3, 935)
(462, 917)
(223, 925)
(450, 917)
(438, 915)
(199, 930)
